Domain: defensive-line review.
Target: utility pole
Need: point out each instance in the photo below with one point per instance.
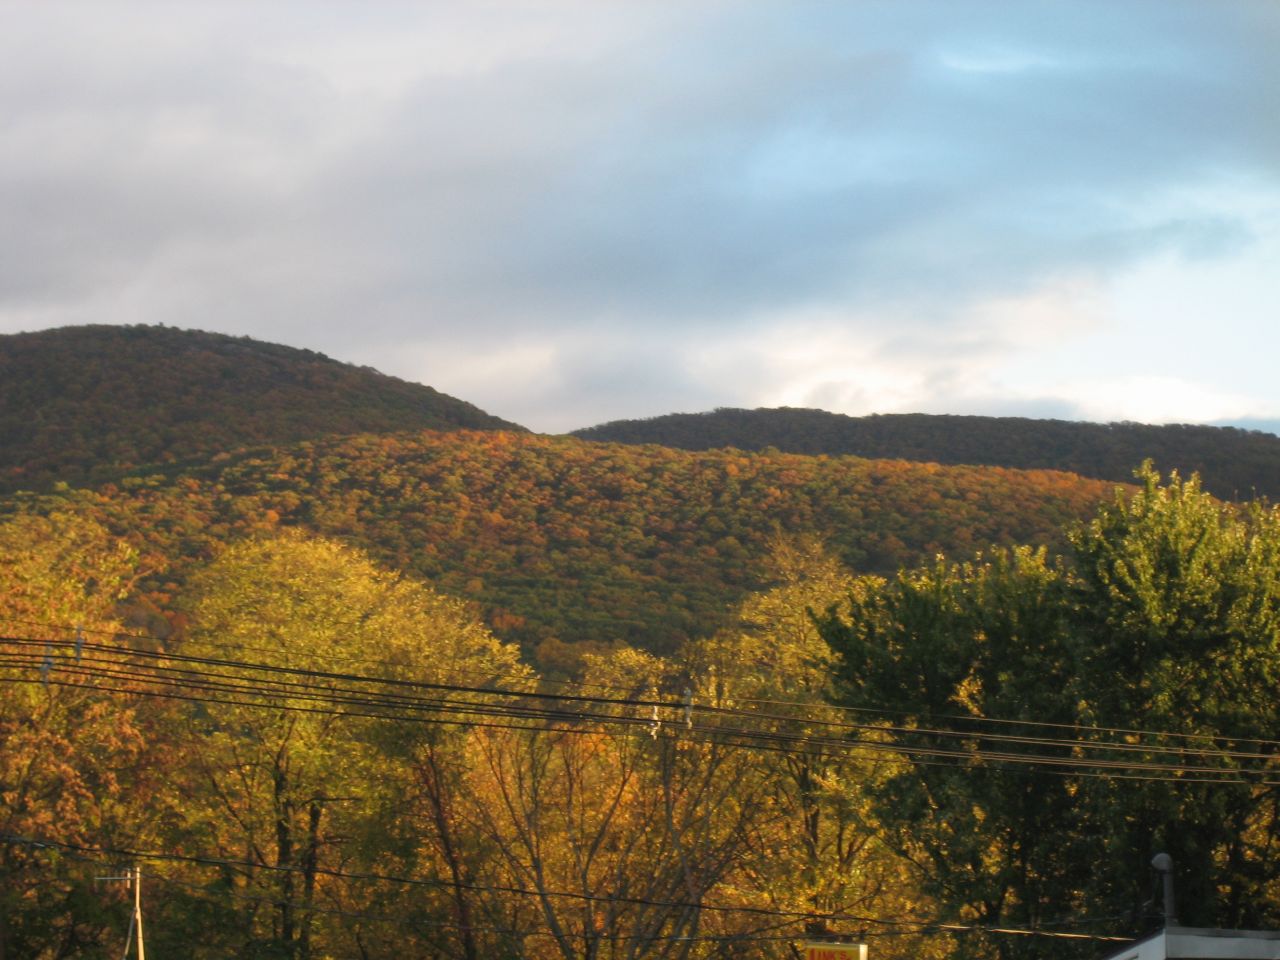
(133, 877)
(137, 909)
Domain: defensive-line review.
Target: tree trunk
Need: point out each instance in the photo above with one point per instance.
(310, 864)
(284, 855)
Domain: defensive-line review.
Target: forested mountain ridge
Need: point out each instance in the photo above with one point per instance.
(367, 767)
(86, 404)
(297, 662)
(196, 439)
(1233, 464)
(562, 542)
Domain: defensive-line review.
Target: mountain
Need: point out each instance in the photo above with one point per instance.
(193, 440)
(1232, 463)
(566, 545)
(85, 404)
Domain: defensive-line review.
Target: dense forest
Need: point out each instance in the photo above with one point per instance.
(569, 546)
(1233, 464)
(467, 691)
(88, 404)
(970, 759)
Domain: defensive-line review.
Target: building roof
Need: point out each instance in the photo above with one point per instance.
(1193, 943)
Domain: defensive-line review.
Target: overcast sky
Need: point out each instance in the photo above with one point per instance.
(570, 212)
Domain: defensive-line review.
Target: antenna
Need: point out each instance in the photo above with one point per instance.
(1163, 864)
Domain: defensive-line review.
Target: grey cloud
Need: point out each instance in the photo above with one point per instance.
(608, 378)
(740, 162)
(1000, 180)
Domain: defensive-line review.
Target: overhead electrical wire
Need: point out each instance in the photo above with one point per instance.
(211, 681)
(828, 707)
(646, 703)
(362, 698)
(664, 704)
(188, 641)
(755, 934)
(913, 923)
(207, 680)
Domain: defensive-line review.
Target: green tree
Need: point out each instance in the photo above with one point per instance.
(927, 650)
(1162, 617)
(1177, 606)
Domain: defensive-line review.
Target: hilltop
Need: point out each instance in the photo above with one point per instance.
(87, 404)
(1233, 464)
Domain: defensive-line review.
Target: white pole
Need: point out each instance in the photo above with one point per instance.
(137, 909)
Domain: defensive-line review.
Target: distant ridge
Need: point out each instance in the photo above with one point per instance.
(85, 404)
(1233, 463)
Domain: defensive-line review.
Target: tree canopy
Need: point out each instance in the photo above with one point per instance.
(1234, 463)
(1153, 643)
(324, 757)
(571, 546)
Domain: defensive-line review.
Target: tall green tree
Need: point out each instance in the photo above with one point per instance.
(1161, 617)
(1177, 613)
(930, 650)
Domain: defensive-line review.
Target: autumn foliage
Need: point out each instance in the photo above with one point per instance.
(326, 758)
(563, 542)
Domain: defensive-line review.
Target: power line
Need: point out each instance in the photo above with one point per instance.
(330, 694)
(797, 916)
(641, 703)
(88, 855)
(208, 682)
(189, 641)
(841, 708)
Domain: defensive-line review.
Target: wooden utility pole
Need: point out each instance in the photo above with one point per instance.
(134, 877)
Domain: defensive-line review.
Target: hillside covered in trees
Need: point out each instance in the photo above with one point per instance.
(467, 692)
(566, 542)
(85, 404)
(1233, 464)
(972, 759)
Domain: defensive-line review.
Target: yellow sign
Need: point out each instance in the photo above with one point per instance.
(835, 951)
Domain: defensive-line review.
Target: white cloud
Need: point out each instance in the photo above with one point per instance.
(874, 206)
(1148, 399)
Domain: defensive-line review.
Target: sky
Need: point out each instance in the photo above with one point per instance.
(574, 211)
